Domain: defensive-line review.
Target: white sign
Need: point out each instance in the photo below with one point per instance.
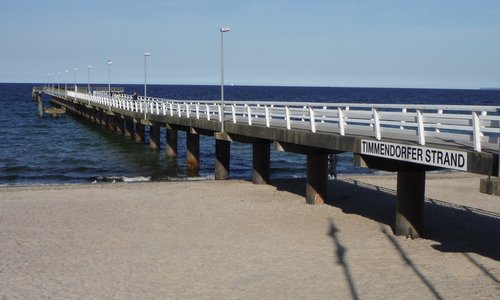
(416, 154)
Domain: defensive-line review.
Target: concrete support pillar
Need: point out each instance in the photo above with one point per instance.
(93, 115)
(119, 126)
(140, 133)
(193, 151)
(410, 204)
(317, 178)
(88, 112)
(112, 122)
(98, 116)
(85, 112)
(171, 143)
(105, 119)
(222, 159)
(40, 105)
(261, 162)
(154, 138)
(129, 128)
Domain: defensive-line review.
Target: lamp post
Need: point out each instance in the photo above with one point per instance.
(145, 73)
(66, 83)
(48, 81)
(88, 78)
(222, 30)
(58, 81)
(110, 62)
(76, 69)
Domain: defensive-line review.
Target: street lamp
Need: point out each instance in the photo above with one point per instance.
(88, 78)
(66, 83)
(222, 30)
(58, 81)
(76, 69)
(110, 62)
(145, 73)
(146, 55)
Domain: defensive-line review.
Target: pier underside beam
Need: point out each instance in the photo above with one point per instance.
(154, 138)
(261, 162)
(140, 133)
(222, 159)
(317, 178)
(171, 143)
(410, 204)
(193, 151)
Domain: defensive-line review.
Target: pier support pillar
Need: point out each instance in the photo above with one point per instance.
(94, 113)
(154, 138)
(104, 119)
(129, 128)
(261, 162)
(317, 178)
(222, 159)
(119, 128)
(171, 143)
(410, 204)
(140, 133)
(193, 151)
(40, 105)
(98, 116)
(112, 122)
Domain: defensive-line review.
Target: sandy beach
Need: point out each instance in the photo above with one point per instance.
(236, 240)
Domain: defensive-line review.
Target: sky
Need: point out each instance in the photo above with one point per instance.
(339, 43)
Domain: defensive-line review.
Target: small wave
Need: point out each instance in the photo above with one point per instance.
(122, 179)
(136, 179)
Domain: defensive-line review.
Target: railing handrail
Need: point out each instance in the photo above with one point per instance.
(476, 123)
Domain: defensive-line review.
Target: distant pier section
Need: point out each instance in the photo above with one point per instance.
(407, 139)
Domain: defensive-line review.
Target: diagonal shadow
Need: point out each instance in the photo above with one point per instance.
(340, 252)
(410, 263)
(482, 268)
(457, 228)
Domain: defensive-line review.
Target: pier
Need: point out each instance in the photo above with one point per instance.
(407, 139)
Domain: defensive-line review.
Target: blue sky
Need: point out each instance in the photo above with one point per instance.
(377, 43)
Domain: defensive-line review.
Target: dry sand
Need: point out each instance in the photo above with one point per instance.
(235, 240)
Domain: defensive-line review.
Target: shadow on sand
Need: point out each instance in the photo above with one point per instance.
(456, 228)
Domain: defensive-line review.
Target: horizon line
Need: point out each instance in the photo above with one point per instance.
(267, 85)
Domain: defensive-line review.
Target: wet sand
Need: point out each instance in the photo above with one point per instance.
(232, 239)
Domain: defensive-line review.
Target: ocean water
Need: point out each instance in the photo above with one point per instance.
(69, 150)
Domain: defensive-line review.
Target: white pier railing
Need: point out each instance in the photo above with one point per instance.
(466, 125)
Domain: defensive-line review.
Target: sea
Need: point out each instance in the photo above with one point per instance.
(69, 150)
